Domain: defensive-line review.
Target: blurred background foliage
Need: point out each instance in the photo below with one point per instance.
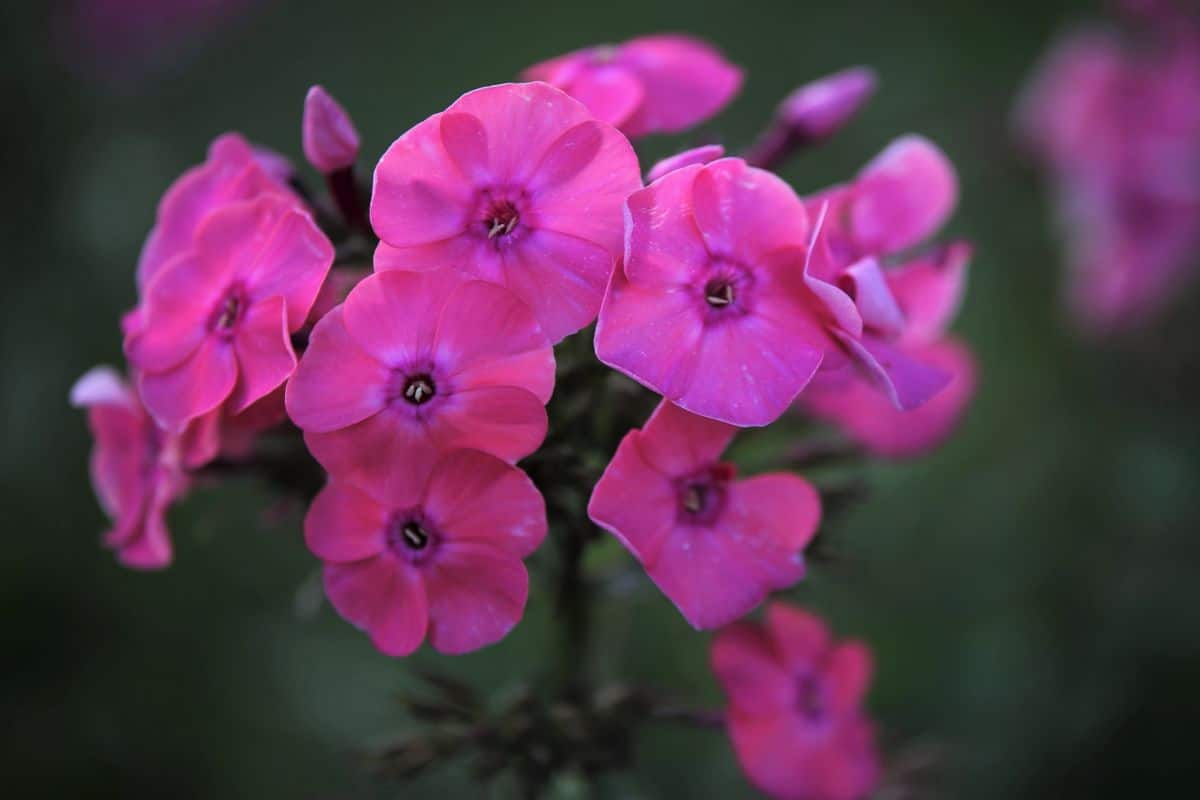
(1029, 590)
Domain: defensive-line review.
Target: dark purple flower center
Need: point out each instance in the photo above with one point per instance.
(227, 311)
(410, 537)
(701, 495)
(719, 293)
(501, 218)
(419, 389)
(810, 697)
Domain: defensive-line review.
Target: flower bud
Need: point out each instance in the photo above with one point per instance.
(819, 109)
(329, 137)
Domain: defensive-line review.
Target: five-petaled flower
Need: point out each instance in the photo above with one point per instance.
(415, 361)
(438, 555)
(653, 84)
(216, 321)
(514, 184)
(714, 545)
(795, 712)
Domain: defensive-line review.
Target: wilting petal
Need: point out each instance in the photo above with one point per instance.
(477, 497)
(336, 384)
(476, 596)
(345, 524)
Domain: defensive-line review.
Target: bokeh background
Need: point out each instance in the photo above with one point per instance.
(1030, 590)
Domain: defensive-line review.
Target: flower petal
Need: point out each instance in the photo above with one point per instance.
(264, 353)
(476, 596)
(903, 196)
(677, 442)
(345, 524)
(744, 212)
(193, 388)
(336, 384)
(505, 421)
(561, 277)
(383, 596)
(745, 663)
(634, 502)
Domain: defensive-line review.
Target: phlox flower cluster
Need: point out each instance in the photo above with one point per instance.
(407, 338)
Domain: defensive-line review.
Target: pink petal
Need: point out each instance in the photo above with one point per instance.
(561, 277)
(745, 663)
(580, 185)
(466, 142)
(175, 315)
(477, 497)
(696, 155)
(800, 638)
(345, 524)
(200, 441)
(264, 353)
(492, 338)
(335, 384)
(778, 513)
(522, 121)
(745, 212)
(383, 596)
(195, 387)
(292, 263)
(903, 196)
(664, 247)
(387, 454)
(394, 315)
(871, 419)
(873, 297)
(650, 334)
(476, 596)
(676, 442)
(780, 758)
(849, 672)
(151, 547)
(685, 81)
(420, 195)
(611, 93)
(502, 420)
(929, 290)
(906, 381)
(102, 386)
(634, 502)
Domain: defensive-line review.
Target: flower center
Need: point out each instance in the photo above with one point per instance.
(419, 389)
(227, 312)
(501, 219)
(701, 495)
(810, 698)
(719, 293)
(409, 537)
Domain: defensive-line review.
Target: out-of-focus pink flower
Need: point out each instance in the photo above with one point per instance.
(927, 290)
(714, 545)
(711, 308)
(1118, 128)
(137, 470)
(416, 361)
(438, 555)
(696, 155)
(795, 714)
(652, 84)
(819, 109)
(515, 184)
(328, 134)
(216, 320)
(233, 172)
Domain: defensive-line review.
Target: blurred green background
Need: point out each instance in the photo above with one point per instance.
(1029, 590)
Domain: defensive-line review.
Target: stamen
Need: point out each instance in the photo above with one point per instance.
(693, 498)
(719, 294)
(229, 312)
(414, 535)
(419, 389)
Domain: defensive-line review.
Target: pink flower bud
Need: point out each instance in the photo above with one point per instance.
(819, 109)
(330, 139)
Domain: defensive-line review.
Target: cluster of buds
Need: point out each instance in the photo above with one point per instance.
(1114, 117)
(392, 357)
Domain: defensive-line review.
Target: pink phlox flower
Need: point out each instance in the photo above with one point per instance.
(437, 556)
(795, 714)
(137, 470)
(416, 361)
(710, 307)
(516, 184)
(653, 84)
(328, 134)
(217, 319)
(715, 546)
